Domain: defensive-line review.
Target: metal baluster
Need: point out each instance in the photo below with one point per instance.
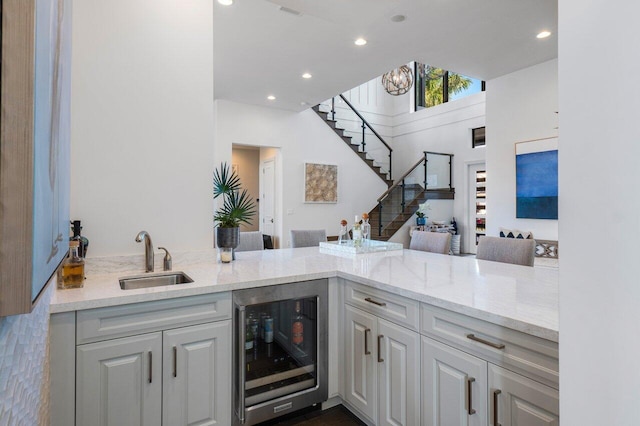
(450, 172)
(425, 171)
(363, 143)
(390, 162)
(333, 109)
(380, 219)
(403, 195)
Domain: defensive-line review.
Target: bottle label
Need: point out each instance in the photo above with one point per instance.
(297, 333)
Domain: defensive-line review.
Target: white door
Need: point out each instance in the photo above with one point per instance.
(360, 364)
(197, 375)
(519, 401)
(119, 382)
(454, 390)
(398, 356)
(476, 217)
(267, 196)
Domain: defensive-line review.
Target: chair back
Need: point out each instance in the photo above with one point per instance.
(308, 238)
(434, 242)
(507, 250)
(250, 241)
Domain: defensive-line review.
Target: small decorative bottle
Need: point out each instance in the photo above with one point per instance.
(71, 273)
(366, 228)
(343, 236)
(356, 232)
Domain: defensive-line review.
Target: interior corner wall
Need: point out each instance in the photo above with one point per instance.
(520, 106)
(142, 115)
(301, 137)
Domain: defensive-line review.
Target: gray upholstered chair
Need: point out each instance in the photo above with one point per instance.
(308, 238)
(434, 242)
(250, 241)
(507, 250)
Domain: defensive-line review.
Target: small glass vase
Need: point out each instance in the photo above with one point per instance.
(421, 221)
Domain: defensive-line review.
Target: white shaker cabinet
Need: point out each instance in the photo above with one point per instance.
(119, 382)
(195, 373)
(454, 386)
(519, 401)
(382, 359)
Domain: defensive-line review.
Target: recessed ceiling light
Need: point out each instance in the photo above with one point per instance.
(225, 2)
(360, 42)
(306, 75)
(543, 34)
(271, 98)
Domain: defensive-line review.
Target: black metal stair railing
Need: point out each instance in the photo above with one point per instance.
(359, 134)
(421, 182)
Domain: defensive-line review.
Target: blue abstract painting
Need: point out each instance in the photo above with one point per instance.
(537, 185)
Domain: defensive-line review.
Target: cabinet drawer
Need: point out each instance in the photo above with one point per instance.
(398, 309)
(120, 321)
(529, 355)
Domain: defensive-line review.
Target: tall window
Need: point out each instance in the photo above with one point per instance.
(435, 86)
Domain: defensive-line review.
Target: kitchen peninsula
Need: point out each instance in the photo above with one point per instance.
(453, 306)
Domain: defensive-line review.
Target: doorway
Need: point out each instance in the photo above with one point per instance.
(268, 197)
(476, 220)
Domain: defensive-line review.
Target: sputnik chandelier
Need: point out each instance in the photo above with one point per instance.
(399, 81)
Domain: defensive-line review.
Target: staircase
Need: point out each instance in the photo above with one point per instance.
(428, 179)
(400, 202)
(366, 143)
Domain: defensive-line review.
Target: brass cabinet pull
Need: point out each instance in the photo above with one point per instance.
(375, 302)
(150, 367)
(380, 337)
(366, 342)
(175, 361)
(485, 342)
(495, 406)
(470, 410)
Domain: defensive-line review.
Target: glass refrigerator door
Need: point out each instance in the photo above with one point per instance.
(281, 351)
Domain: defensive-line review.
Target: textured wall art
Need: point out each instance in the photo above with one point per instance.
(320, 183)
(537, 179)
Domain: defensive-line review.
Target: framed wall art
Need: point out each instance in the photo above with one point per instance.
(320, 183)
(537, 179)
(34, 148)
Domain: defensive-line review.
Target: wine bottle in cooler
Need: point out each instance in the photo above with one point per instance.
(297, 327)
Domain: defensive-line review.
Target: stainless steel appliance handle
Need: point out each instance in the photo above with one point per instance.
(241, 363)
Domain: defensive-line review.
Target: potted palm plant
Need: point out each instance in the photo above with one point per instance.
(237, 206)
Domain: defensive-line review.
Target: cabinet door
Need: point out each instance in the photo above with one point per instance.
(119, 382)
(197, 375)
(454, 386)
(398, 357)
(360, 364)
(520, 401)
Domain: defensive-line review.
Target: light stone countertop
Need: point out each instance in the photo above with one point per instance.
(518, 297)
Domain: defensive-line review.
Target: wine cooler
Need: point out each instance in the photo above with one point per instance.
(280, 349)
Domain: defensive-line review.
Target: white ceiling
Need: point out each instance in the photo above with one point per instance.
(260, 50)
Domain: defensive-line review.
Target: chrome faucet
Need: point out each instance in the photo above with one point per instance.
(148, 249)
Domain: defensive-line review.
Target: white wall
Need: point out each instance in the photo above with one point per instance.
(142, 123)
(521, 106)
(302, 137)
(445, 128)
(248, 161)
(599, 205)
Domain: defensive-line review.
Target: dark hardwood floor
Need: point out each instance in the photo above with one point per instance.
(335, 416)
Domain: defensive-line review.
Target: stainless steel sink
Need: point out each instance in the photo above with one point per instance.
(157, 280)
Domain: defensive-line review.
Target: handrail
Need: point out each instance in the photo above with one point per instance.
(399, 181)
(366, 122)
(437, 153)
